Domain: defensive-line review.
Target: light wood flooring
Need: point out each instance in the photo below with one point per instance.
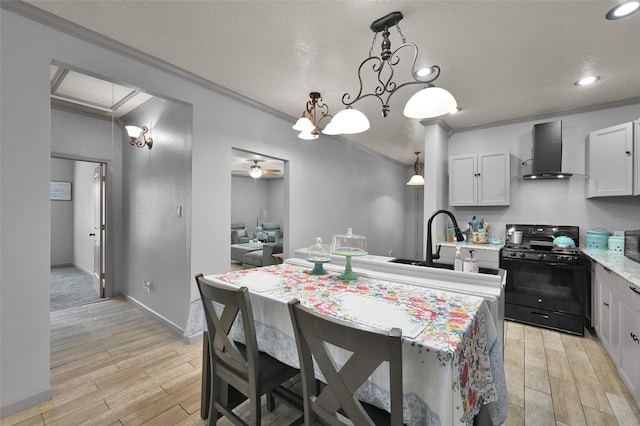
(111, 364)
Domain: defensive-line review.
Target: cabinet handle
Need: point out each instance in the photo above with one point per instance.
(605, 304)
(635, 290)
(628, 153)
(635, 338)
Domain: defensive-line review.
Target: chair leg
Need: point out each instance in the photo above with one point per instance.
(255, 403)
(271, 402)
(206, 379)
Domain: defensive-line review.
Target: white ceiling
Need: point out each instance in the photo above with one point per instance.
(504, 61)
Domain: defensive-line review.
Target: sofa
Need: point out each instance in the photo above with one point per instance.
(239, 234)
(264, 257)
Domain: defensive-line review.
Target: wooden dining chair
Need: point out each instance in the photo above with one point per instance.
(335, 403)
(239, 367)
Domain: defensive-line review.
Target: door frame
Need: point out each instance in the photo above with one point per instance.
(107, 243)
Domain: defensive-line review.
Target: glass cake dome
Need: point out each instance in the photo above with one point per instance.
(349, 244)
(319, 252)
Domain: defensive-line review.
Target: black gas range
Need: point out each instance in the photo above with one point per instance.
(548, 285)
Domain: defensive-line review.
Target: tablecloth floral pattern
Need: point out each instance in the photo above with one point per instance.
(454, 334)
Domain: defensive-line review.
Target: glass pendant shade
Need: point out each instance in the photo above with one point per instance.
(330, 129)
(430, 102)
(255, 173)
(416, 180)
(309, 135)
(303, 125)
(133, 131)
(349, 121)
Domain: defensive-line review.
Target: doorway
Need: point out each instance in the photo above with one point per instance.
(259, 206)
(78, 232)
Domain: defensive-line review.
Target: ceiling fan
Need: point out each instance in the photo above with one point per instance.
(255, 171)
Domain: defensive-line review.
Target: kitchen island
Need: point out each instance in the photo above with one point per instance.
(489, 286)
(452, 354)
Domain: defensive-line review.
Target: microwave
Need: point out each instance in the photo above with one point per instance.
(632, 245)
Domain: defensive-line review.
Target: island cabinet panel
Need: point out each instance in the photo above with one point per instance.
(636, 157)
(609, 158)
(479, 180)
(618, 324)
(487, 258)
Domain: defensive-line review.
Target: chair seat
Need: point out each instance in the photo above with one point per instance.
(272, 371)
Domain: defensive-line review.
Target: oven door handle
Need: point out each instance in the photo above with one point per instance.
(545, 316)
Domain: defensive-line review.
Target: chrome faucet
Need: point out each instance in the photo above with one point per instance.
(433, 256)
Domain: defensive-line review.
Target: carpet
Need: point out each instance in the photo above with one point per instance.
(71, 286)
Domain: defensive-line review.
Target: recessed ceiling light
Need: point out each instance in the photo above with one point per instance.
(623, 10)
(587, 80)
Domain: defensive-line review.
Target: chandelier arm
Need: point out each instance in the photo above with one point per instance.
(376, 67)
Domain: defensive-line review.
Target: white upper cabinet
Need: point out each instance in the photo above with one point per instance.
(480, 180)
(609, 158)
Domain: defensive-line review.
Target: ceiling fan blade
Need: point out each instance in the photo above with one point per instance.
(271, 172)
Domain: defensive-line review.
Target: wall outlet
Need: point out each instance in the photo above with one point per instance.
(147, 286)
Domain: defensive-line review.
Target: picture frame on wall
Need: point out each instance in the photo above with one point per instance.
(60, 191)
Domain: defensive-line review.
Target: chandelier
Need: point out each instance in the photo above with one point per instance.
(308, 124)
(429, 102)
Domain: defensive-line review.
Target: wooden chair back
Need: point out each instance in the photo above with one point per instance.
(369, 347)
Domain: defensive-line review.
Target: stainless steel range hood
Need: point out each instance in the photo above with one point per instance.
(547, 152)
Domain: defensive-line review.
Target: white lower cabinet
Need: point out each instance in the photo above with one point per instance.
(618, 324)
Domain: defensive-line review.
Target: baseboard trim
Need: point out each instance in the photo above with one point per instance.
(23, 404)
(174, 327)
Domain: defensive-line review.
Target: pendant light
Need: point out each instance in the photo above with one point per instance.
(416, 179)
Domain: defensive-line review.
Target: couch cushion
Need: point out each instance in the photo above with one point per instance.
(270, 226)
(242, 233)
(237, 226)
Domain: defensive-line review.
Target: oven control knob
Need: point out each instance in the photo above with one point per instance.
(513, 254)
(522, 255)
(539, 300)
(541, 256)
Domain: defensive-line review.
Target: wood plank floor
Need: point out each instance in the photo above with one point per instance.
(111, 364)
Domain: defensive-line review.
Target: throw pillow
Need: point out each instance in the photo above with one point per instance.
(242, 233)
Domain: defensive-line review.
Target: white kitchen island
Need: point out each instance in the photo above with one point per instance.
(488, 286)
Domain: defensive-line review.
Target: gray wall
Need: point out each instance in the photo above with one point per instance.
(360, 190)
(157, 184)
(62, 215)
(250, 198)
(557, 202)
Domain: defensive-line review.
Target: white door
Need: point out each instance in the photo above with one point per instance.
(99, 229)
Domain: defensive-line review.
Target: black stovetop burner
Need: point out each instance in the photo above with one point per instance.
(537, 243)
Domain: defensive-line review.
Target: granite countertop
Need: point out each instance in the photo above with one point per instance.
(473, 246)
(618, 263)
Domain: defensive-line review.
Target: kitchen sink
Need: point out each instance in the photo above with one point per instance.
(487, 271)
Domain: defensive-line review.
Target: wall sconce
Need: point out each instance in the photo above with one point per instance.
(139, 136)
(417, 179)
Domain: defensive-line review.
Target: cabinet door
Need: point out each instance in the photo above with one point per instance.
(604, 312)
(610, 161)
(494, 180)
(463, 180)
(630, 350)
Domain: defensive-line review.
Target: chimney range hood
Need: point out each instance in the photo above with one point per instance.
(547, 152)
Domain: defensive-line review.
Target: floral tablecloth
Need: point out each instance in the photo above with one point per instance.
(452, 360)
